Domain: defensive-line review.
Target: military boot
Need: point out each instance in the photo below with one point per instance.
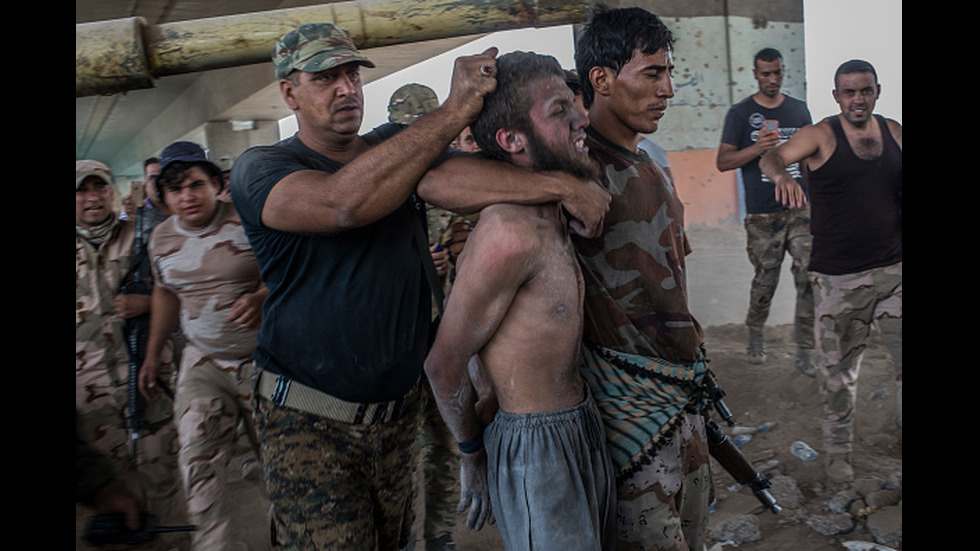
(804, 362)
(757, 347)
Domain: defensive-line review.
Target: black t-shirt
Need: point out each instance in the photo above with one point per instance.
(347, 313)
(742, 125)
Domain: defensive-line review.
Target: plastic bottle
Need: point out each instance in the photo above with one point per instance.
(765, 427)
(742, 439)
(803, 451)
(740, 429)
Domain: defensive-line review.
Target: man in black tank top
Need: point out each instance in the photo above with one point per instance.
(854, 175)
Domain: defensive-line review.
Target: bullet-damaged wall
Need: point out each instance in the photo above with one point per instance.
(716, 41)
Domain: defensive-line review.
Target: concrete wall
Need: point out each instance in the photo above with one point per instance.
(226, 139)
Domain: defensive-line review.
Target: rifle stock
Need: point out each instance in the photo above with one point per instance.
(731, 459)
(728, 455)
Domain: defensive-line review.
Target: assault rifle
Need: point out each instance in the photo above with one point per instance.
(730, 457)
(137, 281)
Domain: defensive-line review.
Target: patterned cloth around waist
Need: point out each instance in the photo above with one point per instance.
(641, 400)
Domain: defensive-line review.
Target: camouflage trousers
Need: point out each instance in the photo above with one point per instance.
(664, 506)
(211, 402)
(102, 407)
(769, 237)
(439, 470)
(338, 485)
(847, 306)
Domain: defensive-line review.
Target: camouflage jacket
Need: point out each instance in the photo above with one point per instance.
(99, 344)
(636, 286)
(101, 354)
(208, 271)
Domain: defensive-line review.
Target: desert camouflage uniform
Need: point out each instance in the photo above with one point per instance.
(208, 271)
(102, 376)
(769, 237)
(846, 308)
(636, 303)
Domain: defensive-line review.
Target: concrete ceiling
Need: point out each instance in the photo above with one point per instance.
(123, 129)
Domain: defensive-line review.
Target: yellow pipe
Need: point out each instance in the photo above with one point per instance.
(128, 54)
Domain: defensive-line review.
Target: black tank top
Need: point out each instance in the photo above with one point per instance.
(856, 207)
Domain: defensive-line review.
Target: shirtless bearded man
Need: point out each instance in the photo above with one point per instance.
(517, 303)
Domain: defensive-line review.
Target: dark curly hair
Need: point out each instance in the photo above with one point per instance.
(611, 37)
(174, 172)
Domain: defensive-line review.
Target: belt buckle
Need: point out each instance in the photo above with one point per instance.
(281, 390)
(372, 414)
(377, 413)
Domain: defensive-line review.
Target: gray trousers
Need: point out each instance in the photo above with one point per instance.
(551, 480)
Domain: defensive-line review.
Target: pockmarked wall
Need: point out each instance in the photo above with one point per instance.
(716, 42)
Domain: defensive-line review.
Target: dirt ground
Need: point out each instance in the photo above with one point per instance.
(774, 392)
(815, 516)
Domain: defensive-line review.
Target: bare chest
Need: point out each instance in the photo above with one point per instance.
(867, 147)
(866, 143)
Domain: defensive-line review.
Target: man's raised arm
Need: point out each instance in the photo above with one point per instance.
(375, 181)
(468, 183)
(804, 145)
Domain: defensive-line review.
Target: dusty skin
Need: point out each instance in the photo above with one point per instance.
(756, 394)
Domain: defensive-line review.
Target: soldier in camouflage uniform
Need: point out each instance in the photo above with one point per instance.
(103, 254)
(772, 229)
(206, 277)
(406, 105)
(409, 102)
(439, 463)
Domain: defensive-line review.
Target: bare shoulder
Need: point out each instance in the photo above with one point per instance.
(821, 131)
(504, 220)
(811, 143)
(896, 129)
(506, 231)
(819, 141)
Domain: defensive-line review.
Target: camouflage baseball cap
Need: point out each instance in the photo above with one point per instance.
(410, 102)
(315, 47)
(86, 168)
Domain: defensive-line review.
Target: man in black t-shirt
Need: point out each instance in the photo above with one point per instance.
(331, 216)
(754, 126)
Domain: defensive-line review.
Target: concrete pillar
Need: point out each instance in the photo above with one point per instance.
(226, 140)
